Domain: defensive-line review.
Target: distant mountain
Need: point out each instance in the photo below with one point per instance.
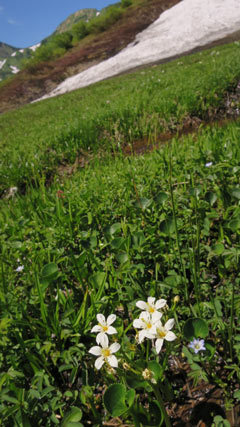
(11, 58)
(80, 15)
(6, 50)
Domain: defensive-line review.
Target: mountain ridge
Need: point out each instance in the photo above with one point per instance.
(11, 58)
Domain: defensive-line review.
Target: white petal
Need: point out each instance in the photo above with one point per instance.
(102, 339)
(95, 350)
(169, 325)
(158, 345)
(142, 305)
(141, 336)
(156, 316)
(170, 336)
(160, 303)
(138, 323)
(112, 360)
(111, 330)
(114, 347)
(99, 362)
(150, 335)
(99, 337)
(145, 316)
(111, 319)
(151, 300)
(96, 328)
(101, 319)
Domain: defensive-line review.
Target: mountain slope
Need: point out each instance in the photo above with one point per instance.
(179, 30)
(80, 15)
(29, 85)
(6, 50)
(12, 59)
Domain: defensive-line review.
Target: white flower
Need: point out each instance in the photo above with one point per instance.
(104, 327)
(197, 345)
(19, 268)
(207, 165)
(105, 352)
(147, 323)
(151, 306)
(164, 333)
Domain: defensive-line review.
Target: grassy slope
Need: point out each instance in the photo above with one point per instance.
(39, 137)
(115, 220)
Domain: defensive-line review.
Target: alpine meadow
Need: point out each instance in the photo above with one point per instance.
(119, 249)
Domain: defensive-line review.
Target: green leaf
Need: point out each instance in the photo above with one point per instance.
(218, 248)
(97, 279)
(122, 258)
(73, 416)
(114, 400)
(236, 193)
(195, 328)
(234, 224)
(236, 395)
(211, 197)
(118, 243)
(167, 226)
(156, 369)
(49, 273)
(114, 228)
(144, 203)
(129, 397)
(162, 197)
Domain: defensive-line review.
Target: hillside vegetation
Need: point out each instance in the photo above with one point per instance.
(91, 231)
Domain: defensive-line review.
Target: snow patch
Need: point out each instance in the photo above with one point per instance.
(189, 24)
(2, 63)
(34, 47)
(21, 50)
(13, 54)
(98, 13)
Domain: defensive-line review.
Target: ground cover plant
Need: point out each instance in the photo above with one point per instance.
(36, 138)
(157, 233)
(119, 285)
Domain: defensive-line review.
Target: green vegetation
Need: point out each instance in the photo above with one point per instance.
(165, 225)
(57, 44)
(34, 140)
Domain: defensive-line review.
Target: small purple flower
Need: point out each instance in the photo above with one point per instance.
(197, 345)
(19, 268)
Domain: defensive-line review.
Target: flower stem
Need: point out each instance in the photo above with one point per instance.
(161, 403)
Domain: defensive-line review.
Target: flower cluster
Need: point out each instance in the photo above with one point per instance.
(105, 352)
(150, 324)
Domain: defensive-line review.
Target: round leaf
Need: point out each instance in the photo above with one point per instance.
(114, 400)
(195, 328)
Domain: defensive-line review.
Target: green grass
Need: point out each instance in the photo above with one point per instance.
(165, 224)
(109, 239)
(36, 138)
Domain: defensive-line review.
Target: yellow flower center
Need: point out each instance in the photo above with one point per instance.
(151, 309)
(161, 333)
(104, 327)
(106, 352)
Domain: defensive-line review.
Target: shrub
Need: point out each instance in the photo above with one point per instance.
(104, 21)
(126, 3)
(79, 30)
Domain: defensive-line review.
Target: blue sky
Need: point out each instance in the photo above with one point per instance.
(24, 23)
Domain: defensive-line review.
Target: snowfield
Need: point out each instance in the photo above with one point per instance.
(189, 24)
